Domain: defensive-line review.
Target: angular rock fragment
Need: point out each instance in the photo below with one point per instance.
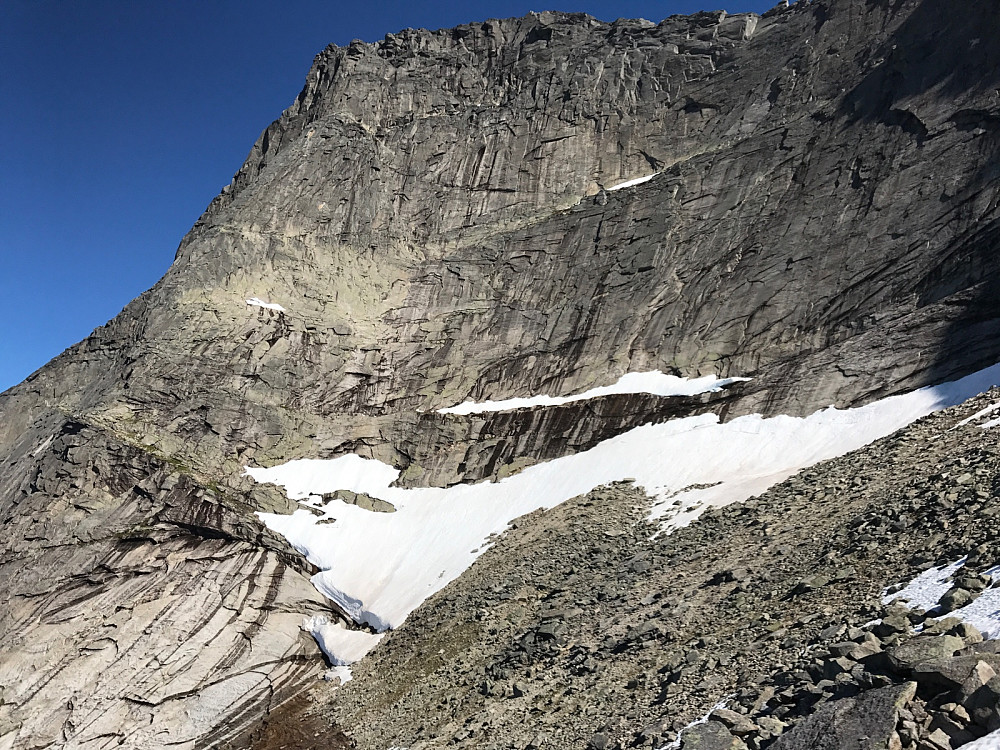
(866, 722)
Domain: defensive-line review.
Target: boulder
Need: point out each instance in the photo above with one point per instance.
(923, 649)
(712, 735)
(738, 724)
(956, 598)
(955, 671)
(865, 722)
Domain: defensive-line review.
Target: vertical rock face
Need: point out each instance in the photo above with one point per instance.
(435, 217)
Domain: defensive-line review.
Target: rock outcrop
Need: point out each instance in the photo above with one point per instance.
(435, 218)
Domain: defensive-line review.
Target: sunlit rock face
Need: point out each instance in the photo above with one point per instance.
(466, 214)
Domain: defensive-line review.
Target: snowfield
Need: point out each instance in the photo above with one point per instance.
(654, 383)
(989, 742)
(380, 566)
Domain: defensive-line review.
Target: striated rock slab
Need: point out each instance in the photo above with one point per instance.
(140, 608)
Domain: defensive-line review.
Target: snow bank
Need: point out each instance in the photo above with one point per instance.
(341, 646)
(654, 383)
(257, 302)
(380, 566)
(926, 590)
(632, 183)
(981, 413)
(989, 742)
(747, 464)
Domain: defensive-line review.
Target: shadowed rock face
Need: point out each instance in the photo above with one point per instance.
(431, 213)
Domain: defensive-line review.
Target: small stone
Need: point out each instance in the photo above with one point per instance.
(868, 647)
(843, 648)
(959, 714)
(831, 632)
(772, 725)
(810, 584)
(936, 740)
(834, 667)
(909, 732)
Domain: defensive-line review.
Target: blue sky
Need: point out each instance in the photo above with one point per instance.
(123, 120)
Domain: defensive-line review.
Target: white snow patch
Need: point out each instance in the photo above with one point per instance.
(990, 424)
(344, 674)
(631, 183)
(341, 646)
(257, 302)
(381, 566)
(304, 477)
(655, 383)
(989, 742)
(927, 589)
(981, 413)
(984, 613)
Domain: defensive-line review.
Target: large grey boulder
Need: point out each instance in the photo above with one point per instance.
(924, 649)
(866, 722)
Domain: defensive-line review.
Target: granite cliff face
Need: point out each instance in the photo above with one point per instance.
(436, 216)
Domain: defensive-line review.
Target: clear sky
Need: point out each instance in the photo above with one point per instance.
(122, 120)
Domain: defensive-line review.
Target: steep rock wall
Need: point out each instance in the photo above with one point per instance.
(433, 214)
